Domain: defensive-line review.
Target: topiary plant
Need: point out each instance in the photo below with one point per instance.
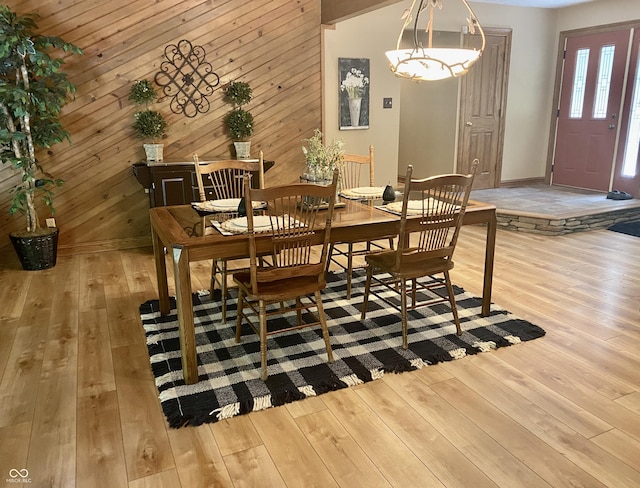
(239, 122)
(149, 124)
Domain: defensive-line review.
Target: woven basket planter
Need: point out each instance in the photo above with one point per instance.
(36, 252)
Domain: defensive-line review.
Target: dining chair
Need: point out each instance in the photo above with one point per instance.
(431, 217)
(352, 169)
(226, 178)
(298, 221)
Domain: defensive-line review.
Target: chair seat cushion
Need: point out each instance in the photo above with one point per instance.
(386, 261)
(280, 289)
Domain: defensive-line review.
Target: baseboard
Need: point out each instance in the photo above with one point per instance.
(102, 246)
(505, 184)
(522, 182)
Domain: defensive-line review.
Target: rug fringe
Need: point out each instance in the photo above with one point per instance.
(351, 380)
(227, 411)
(484, 346)
(307, 390)
(262, 403)
(376, 374)
(417, 363)
(458, 353)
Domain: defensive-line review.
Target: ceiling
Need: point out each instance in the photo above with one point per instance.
(536, 3)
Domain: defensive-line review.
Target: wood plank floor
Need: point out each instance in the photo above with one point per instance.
(78, 406)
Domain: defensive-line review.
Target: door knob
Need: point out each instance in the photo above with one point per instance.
(469, 124)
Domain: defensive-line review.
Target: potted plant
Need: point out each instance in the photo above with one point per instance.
(239, 122)
(321, 158)
(33, 91)
(149, 124)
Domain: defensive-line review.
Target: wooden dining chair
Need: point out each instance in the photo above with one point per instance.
(298, 221)
(226, 179)
(432, 213)
(353, 168)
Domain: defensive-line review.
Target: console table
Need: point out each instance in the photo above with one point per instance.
(173, 181)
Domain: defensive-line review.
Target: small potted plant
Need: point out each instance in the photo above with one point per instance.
(149, 124)
(239, 122)
(33, 91)
(321, 158)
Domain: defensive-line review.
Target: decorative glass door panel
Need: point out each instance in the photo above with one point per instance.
(627, 171)
(589, 103)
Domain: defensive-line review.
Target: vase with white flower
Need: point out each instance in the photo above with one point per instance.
(354, 84)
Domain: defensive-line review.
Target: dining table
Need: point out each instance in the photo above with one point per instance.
(187, 234)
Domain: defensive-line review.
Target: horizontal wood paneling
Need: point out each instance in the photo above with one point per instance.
(273, 45)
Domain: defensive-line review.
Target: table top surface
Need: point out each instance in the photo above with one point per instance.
(185, 226)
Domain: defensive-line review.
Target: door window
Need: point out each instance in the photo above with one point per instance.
(579, 84)
(603, 82)
(633, 136)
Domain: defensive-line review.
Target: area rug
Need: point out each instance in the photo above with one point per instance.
(630, 228)
(363, 351)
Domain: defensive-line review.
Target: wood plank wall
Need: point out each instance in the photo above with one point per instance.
(274, 45)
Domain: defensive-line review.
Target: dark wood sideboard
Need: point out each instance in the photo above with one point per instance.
(173, 182)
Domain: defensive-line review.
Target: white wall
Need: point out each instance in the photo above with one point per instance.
(366, 36)
(597, 13)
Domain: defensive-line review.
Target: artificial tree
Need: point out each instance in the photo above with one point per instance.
(33, 90)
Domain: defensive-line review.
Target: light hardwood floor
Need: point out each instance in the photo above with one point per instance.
(78, 406)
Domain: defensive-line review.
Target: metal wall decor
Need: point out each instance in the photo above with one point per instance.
(186, 78)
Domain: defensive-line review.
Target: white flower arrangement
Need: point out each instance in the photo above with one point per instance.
(354, 83)
(322, 159)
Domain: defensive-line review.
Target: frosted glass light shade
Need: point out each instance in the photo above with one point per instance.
(431, 64)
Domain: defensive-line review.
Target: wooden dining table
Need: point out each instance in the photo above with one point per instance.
(188, 235)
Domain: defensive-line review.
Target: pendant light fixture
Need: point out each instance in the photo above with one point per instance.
(433, 63)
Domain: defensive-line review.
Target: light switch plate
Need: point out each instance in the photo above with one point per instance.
(387, 103)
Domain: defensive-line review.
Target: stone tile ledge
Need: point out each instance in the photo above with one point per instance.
(554, 225)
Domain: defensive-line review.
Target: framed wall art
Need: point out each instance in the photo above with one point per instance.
(353, 93)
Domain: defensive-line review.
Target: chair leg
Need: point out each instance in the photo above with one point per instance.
(223, 289)
(214, 270)
(329, 254)
(263, 339)
(298, 309)
(325, 330)
(240, 314)
(452, 301)
(349, 270)
(403, 305)
(367, 285)
(390, 242)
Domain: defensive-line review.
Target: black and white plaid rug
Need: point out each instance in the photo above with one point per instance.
(229, 373)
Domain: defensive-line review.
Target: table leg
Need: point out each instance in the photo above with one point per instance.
(184, 305)
(161, 273)
(490, 249)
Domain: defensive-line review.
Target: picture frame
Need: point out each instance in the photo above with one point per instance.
(353, 93)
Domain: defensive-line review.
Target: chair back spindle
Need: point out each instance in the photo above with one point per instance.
(227, 176)
(298, 220)
(351, 168)
(437, 205)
